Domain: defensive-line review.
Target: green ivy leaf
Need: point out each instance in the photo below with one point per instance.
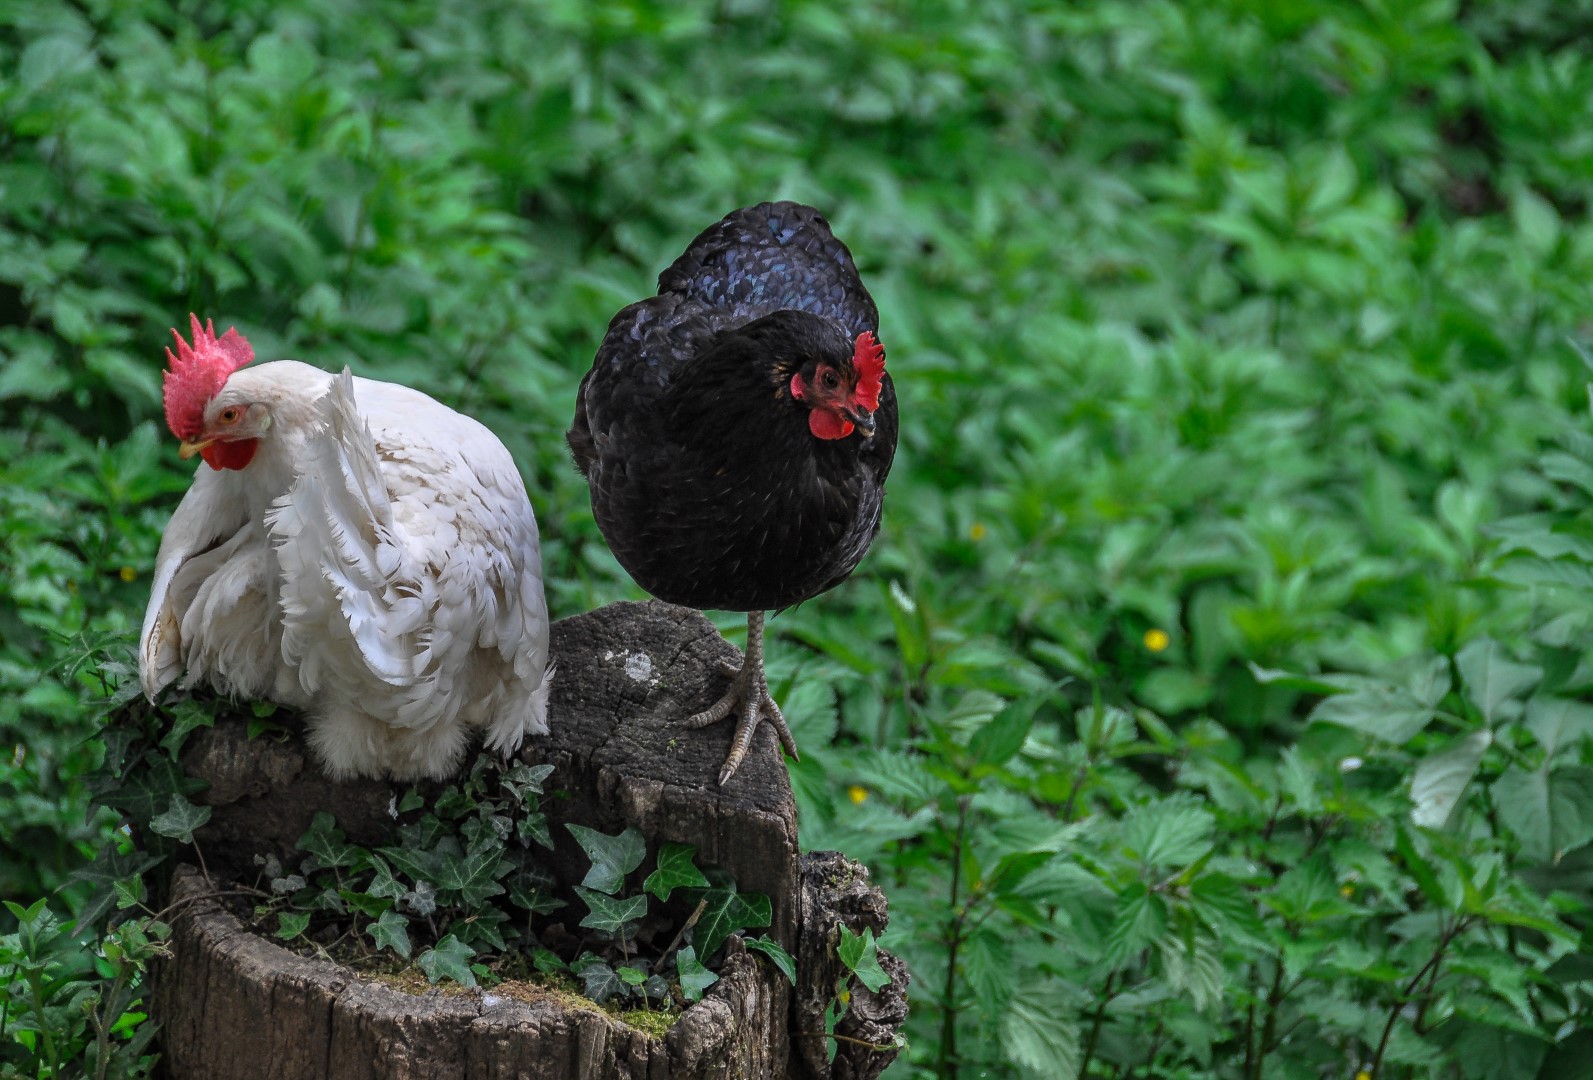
(599, 981)
(534, 826)
(180, 820)
(472, 879)
(771, 948)
(676, 870)
(290, 924)
(631, 976)
(149, 786)
(326, 843)
(364, 903)
(448, 959)
(612, 856)
(391, 931)
(726, 912)
(108, 870)
(694, 978)
(383, 883)
(608, 913)
(524, 781)
(187, 716)
(861, 956)
(546, 960)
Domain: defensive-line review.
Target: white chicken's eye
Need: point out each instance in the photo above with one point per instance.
(230, 414)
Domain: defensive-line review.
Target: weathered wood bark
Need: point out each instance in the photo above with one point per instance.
(235, 1005)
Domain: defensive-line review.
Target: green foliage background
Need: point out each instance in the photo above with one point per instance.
(1238, 346)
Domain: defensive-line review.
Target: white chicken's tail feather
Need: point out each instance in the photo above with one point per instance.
(510, 729)
(337, 543)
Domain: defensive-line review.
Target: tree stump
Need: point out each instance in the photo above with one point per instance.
(237, 1005)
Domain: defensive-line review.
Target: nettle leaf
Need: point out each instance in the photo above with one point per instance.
(1141, 920)
(1039, 1036)
(1420, 869)
(448, 959)
(1228, 909)
(726, 912)
(180, 820)
(1441, 779)
(676, 870)
(771, 948)
(861, 956)
(694, 978)
(1550, 811)
(1000, 739)
(612, 856)
(391, 931)
(608, 913)
(1493, 680)
(1173, 832)
(290, 924)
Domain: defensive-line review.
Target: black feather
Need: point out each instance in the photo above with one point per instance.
(705, 478)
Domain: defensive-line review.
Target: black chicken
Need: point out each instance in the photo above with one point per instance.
(736, 431)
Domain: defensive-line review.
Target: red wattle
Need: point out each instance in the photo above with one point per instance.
(230, 455)
(828, 425)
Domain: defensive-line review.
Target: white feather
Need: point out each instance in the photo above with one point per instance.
(376, 564)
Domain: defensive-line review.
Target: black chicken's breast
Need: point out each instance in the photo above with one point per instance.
(706, 479)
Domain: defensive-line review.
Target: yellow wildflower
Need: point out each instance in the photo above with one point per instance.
(1156, 640)
(857, 793)
(127, 573)
(978, 532)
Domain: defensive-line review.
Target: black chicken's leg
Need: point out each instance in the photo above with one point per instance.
(749, 696)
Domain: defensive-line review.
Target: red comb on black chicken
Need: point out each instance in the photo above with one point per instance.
(736, 431)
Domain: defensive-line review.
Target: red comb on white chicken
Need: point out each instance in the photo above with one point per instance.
(354, 549)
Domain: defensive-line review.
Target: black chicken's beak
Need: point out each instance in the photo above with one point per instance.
(863, 420)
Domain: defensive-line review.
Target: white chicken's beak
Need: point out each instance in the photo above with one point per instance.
(189, 449)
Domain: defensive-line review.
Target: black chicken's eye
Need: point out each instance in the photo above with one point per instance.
(830, 380)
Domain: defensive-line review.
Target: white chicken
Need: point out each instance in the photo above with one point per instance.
(356, 550)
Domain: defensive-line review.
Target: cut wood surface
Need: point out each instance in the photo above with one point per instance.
(236, 1005)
